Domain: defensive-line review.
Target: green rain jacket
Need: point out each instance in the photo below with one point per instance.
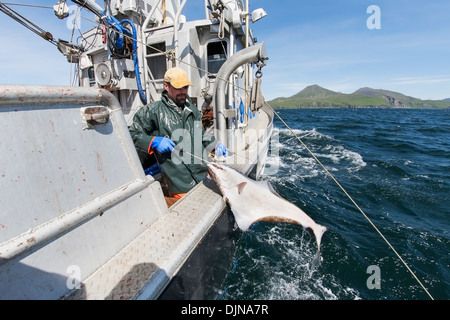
(184, 127)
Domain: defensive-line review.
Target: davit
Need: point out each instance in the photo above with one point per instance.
(252, 201)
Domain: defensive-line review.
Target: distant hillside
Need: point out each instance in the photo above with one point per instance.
(317, 97)
(313, 91)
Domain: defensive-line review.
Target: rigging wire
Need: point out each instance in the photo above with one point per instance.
(27, 23)
(26, 5)
(168, 53)
(83, 3)
(353, 201)
(75, 26)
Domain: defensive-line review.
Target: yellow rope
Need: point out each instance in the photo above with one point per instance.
(353, 201)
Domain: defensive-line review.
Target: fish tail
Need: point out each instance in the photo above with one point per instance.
(318, 233)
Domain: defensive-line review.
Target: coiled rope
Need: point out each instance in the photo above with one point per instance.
(353, 201)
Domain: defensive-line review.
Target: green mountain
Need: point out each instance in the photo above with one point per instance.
(313, 91)
(317, 97)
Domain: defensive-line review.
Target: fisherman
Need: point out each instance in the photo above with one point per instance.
(172, 127)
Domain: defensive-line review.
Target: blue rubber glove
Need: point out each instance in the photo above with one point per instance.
(221, 150)
(163, 144)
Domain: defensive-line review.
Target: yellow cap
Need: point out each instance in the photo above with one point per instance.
(177, 77)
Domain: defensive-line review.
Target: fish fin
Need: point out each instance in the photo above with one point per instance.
(241, 186)
(318, 233)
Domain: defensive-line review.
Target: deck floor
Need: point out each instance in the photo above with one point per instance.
(145, 266)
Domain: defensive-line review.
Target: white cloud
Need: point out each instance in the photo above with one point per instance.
(421, 80)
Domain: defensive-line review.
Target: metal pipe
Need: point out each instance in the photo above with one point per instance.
(144, 50)
(68, 220)
(15, 95)
(250, 54)
(247, 69)
(231, 93)
(175, 29)
(206, 9)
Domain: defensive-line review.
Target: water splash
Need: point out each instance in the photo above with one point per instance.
(279, 262)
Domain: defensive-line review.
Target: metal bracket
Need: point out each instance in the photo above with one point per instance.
(95, 116)
(230, 113)
(256, 99)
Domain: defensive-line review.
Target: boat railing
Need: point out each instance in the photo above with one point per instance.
(251, 54)
(72, 184)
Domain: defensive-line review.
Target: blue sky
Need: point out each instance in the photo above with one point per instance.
(324, 42)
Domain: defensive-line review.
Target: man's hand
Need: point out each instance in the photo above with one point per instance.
(221, 150)
(162, 144)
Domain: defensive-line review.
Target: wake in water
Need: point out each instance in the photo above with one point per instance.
(280, 262)
(292, 158)
(394, 163)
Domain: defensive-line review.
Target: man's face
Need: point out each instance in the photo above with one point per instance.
(177, 95)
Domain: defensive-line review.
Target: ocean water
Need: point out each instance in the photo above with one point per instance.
(395, 164)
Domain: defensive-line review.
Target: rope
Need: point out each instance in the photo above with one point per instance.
(353, 201)
(221, 33)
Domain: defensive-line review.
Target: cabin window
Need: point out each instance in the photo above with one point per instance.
(217, 52)
(156, 59)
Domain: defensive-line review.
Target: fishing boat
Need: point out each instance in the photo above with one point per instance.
(84, 215)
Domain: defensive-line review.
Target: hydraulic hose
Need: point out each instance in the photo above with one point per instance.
(119, 43)
(135, 60)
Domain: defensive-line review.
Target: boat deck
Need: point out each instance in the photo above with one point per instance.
(105, 225)
(145, 266)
